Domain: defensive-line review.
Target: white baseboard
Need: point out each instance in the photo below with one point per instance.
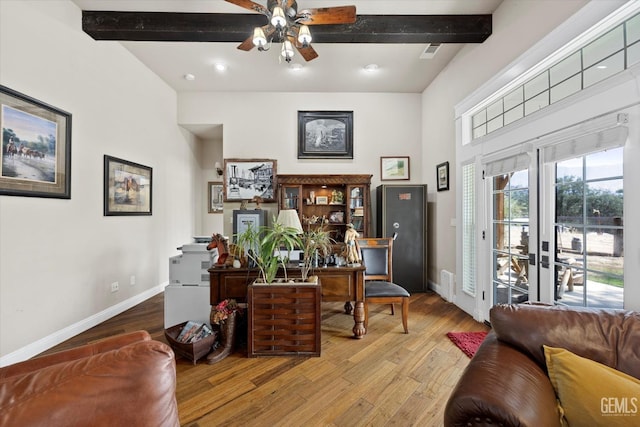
(70, 331)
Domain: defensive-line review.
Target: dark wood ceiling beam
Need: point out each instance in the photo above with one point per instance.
(220, 27)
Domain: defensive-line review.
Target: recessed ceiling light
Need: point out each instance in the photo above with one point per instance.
(189, 77)
(601, 67)
(371, 68)
(296, 67)
(220, 67)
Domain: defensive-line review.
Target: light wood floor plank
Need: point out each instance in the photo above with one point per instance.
(387, 378)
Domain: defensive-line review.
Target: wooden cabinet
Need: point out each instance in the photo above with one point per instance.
(342, 199)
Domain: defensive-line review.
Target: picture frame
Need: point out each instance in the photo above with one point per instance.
(35, 159)
(216, 197)
(128, 188)
(394, 168)
(245, 179)
(442, 176)
(325, 134)
(322, 200)
(336, 217)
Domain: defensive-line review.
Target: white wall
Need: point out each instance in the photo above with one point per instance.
(211, 153)
(517, 25)
(58, 257)
(265, 125)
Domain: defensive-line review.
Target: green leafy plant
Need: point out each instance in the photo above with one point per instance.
(262, 246)
(316, 241)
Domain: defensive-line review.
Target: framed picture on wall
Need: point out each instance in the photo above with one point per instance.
(36, 147)
(394, 168)
(245, 179)
(127, 187)
(442, 176)
(216, 197)
(325, 134)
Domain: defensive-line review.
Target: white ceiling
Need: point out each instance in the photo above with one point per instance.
(339, 67)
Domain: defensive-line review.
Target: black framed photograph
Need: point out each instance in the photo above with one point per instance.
(36, 147)
(394, 168)
(442, 176)
(245, 179)
(127, 187)
(325, 134)
(216, 197)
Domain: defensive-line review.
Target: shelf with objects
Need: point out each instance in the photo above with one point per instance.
(332, 200)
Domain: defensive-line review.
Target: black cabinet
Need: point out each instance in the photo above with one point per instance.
(401, 211)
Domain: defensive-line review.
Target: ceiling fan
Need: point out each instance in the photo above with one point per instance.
(289, 26)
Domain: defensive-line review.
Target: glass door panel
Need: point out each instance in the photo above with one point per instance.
(510, 250)
(589, 230)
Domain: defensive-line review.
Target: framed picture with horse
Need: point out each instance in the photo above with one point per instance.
(127, 187)
(36, 147)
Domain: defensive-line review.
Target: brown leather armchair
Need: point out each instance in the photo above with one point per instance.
(506, 382)
(127, 379)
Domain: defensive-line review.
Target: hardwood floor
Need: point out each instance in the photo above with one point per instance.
(387, 378)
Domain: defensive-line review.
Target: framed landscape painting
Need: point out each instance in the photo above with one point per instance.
(325, 134)
(127, 187)
(394, 168)
(36, 147)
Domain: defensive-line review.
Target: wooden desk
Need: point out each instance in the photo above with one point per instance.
(338, 284)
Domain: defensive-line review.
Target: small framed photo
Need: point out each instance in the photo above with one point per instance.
(216, 197)
(35, 159)
(127, 187)
(442, 176)
(322, 200)
(336, 217)
(245, 179)
(394, 168)
(325, 134)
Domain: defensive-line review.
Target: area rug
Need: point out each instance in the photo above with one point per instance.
(468, 342)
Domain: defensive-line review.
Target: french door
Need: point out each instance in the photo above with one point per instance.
(556, 224)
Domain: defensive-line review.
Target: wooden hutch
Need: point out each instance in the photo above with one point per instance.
(342, 199)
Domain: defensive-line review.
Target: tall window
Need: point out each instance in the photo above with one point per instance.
(469, 229)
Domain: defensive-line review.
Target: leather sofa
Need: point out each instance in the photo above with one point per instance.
(506, 382)
(125, 380)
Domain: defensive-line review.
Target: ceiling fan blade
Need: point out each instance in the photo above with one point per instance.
(247, 45)
(308, 53)
(251, 5)
(327, 15)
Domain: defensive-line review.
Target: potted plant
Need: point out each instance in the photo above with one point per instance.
(283, 316)
(316, 241)
(262, 247)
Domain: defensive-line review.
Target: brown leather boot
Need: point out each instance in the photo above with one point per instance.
(227, 340)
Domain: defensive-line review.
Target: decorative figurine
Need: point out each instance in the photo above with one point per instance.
(352, 249)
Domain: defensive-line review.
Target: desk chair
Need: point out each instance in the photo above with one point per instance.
(376, 254)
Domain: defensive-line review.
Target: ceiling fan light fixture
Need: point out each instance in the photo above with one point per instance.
(278, 19)
(304, 36)
(287, 50)
(259, 39)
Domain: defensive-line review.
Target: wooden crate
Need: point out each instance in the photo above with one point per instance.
(284, 320)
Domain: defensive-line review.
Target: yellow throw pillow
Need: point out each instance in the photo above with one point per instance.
(590, 393)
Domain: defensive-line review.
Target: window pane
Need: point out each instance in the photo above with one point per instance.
(468, 229)
(605, 203)
(479, 131)
(633, 29)
(565, 69)
(515, 97)
(633, 54)
(479, 118)
(566, 88)
(602, 47)
(569, 203)
(494, 124)
(536, 85)
(494, 109)
(604, 69)
(514, 114)
(604, 164)
(536, 103)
